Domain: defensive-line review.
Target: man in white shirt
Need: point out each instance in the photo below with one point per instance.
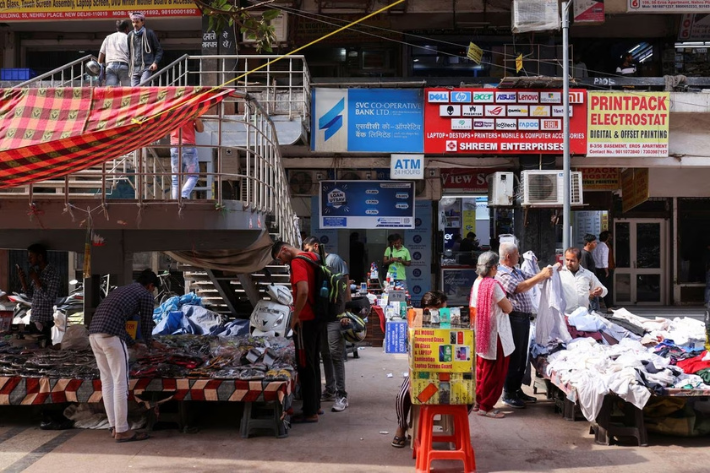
(114, 54)
(601, 262)
(579, 285)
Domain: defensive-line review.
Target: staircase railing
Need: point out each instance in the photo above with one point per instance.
(73, 74)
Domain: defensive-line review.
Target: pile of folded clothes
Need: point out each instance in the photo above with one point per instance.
(624, 354)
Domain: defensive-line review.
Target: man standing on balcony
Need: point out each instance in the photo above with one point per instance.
(144, 50)
(183, 139)
(114, 54)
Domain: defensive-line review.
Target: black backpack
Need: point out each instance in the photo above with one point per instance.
(330, 290)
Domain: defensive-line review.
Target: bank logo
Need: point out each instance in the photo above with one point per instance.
(437, 96)
(332, 120)
(452, 146)
(460, 97)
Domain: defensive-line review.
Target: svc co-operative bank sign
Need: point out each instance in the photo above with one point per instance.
(368, 121)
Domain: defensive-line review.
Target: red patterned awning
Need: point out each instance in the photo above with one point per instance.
(49, 133)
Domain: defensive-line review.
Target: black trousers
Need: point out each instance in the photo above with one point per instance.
(520, 325)
(608, 283)
(46, 331)
(307, 342)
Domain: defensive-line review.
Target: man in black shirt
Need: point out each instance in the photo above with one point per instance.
(587, 262)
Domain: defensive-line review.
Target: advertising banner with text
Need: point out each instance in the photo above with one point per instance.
(490, 121)
(668, 6)
(628, 124)
(19, 10)
(600, 179)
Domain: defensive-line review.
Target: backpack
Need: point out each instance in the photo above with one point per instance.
(330, 290)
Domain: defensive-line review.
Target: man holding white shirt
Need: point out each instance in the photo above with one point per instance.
(579, 285)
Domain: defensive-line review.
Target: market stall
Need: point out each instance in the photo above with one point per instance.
(193, 368)
(625, 364)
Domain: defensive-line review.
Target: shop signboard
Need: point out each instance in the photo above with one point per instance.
(396, 336)
(418, 242)
(467, 180)
(407, 166)
(588, 11)
(600, 179)
(367, 121)
(694, 28)
(634, 188)
(442, 388)
(493, 122)
(366, 204)
(17, 10)
(628, 124)
(441, 350)
(667, 6)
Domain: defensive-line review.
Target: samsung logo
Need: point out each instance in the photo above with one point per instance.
(461, 97)
(528, 97)
(506, 97)
(517, 111)
(437, 96)
(472, 111)
(506, 124)
(528, 124)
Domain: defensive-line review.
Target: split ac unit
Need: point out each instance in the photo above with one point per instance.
(305, 182)
(546, 188)
(500, 189)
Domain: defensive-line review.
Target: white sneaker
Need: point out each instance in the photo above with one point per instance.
(340, 404)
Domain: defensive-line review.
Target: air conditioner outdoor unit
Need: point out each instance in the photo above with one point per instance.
(546, 188)
(356, 175)
(500, 189)
(305, 182)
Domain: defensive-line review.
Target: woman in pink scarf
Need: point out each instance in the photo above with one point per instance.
(494, 338)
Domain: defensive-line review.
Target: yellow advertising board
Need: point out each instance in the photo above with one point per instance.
(441, 350)
(600, 179)
(634, 188)
(628, 124)
(469, 222)
(442, 388)
(20, 10)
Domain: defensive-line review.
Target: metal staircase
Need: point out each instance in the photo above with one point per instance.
(240, 172)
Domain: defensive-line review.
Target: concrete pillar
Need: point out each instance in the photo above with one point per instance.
(111, 260)
(533, 227)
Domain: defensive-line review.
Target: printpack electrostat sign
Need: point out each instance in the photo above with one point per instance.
(492, 121)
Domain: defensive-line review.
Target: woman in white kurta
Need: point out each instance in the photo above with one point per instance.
(494, 338)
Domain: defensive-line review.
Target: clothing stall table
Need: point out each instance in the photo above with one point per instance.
(16, 391)
(604, 428)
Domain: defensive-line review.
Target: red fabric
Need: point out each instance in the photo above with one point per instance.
(484, 306)
(695, 364)
(304, 271)
(188, 135)
(380, 315)
(49, 133)
(490, 378)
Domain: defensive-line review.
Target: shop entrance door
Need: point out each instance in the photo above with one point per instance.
(640, 256)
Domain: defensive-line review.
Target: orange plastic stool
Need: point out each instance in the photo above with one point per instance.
(461, 438)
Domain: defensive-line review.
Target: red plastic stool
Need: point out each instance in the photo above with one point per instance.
(461, 438)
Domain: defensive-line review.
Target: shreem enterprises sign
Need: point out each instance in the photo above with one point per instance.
(492, 121)
(628, 124)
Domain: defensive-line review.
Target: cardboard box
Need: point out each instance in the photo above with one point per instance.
(441, 350)
(396, 336)
(442, 388)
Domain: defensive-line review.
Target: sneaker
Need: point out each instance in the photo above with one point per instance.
(327, 397)
(513, 402)
(525, 398)
(340, 404)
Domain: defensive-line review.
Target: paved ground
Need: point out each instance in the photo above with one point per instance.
(531, 440)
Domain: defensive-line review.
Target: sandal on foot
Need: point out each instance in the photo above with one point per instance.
(301, 419)
(475, 408)
(494, 414)
(399, 442)
(136, 437)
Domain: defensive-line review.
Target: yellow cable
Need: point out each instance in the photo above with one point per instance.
(317, 40)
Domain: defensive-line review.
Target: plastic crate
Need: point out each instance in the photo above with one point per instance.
(17, 74)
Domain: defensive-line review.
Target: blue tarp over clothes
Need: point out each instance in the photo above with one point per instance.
(174, 304)
(181, 315)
